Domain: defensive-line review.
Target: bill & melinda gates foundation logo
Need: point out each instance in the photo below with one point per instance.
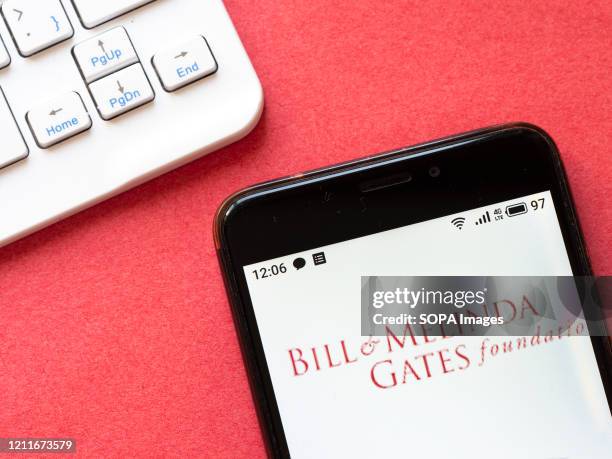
(422, 352)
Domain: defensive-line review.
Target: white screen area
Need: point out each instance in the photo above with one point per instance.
(542, 401)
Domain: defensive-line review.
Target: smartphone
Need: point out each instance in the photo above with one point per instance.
(293, 251)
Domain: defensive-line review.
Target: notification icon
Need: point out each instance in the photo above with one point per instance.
(319, 258)
(299, 263)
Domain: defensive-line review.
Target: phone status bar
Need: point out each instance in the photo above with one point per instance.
(499, 213)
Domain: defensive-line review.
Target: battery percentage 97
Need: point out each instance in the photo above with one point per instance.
(537, 204)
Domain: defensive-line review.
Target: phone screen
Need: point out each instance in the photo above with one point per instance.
(341, 394)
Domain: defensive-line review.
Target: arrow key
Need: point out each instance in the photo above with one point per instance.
(58, 119)
(5, 59)
(122, 91)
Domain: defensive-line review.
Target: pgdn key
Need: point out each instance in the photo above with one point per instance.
(124, 99)
(121, 92)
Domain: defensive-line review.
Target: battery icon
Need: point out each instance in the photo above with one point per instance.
(516, 209)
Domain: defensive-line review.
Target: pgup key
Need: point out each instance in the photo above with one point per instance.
(104, 54)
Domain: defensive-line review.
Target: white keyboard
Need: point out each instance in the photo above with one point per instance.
(97, 96)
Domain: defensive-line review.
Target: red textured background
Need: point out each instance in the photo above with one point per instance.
(114, 326)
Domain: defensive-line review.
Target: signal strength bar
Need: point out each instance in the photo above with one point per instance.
(486, 218)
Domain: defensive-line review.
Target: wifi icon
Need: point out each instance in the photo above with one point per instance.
(458, 222)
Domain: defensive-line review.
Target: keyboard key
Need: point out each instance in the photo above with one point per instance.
(104, 54)
(36, 24)
(184, 63)
(96, 12)
(5, 59)
(12, 145)
(58, 119)
(122, 91)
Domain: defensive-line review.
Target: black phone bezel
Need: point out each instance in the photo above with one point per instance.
(362, 197)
